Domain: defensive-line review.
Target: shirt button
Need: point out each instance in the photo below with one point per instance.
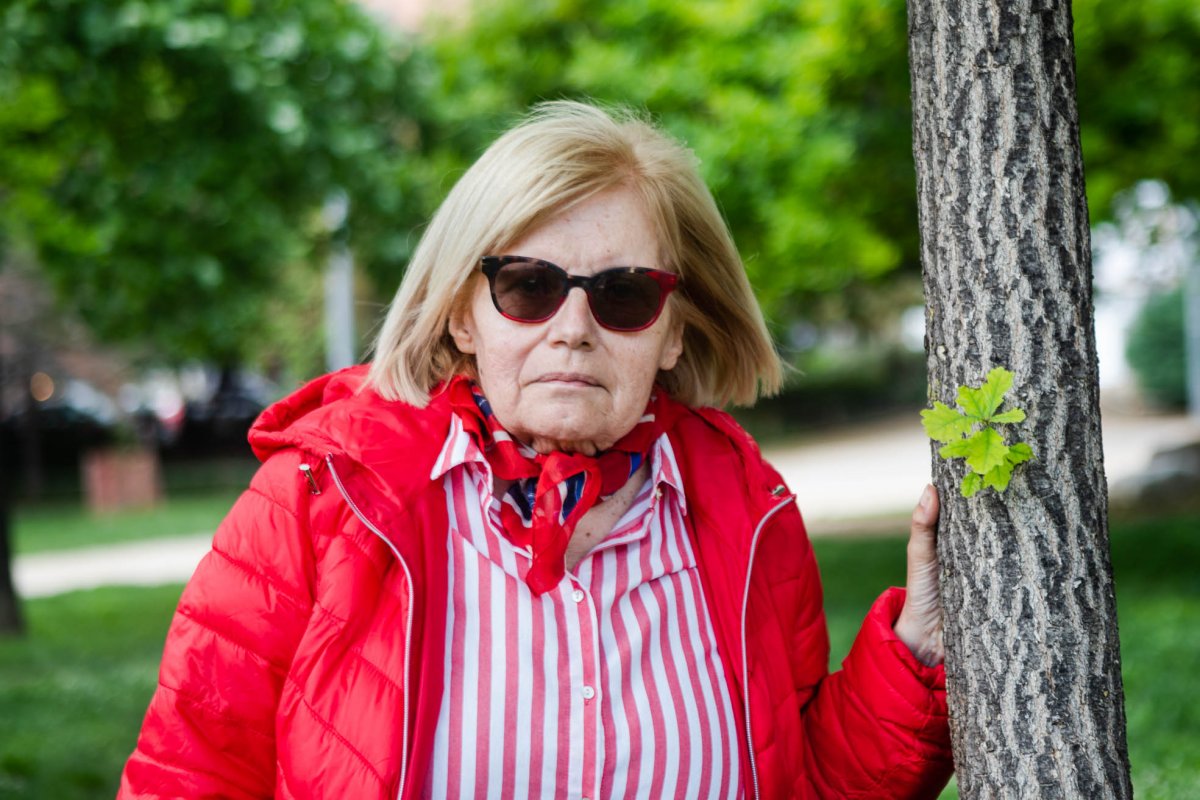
(588, 693)
(577, 595)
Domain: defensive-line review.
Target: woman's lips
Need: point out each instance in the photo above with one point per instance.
(569, 379)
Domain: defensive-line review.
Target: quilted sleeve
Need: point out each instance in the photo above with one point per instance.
(209, 730)
(878, 728)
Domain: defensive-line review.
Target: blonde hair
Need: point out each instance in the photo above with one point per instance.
(561, 154)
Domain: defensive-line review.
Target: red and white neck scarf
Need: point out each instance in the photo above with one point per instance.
(551, 493)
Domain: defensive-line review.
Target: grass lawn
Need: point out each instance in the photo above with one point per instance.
(64, 526)
(199, 494)
(73, 692)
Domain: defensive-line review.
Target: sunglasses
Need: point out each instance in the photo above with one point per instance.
(621, 298)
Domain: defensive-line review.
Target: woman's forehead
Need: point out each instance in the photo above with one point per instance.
(610, 228)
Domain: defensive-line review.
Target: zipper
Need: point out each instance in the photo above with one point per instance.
(745, 603)
(408, 625)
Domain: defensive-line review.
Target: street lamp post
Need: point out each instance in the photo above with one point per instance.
(1191, 332)
(339, 287)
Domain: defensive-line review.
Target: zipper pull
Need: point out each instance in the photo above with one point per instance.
(308, 476)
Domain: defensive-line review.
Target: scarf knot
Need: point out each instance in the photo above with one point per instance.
(551, 492)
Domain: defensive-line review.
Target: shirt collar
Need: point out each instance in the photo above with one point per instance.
(460, 449)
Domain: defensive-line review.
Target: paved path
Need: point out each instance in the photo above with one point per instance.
(856, 478)
(149, 562)
(872, 475)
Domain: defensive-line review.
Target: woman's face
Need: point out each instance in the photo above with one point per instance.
(568, 383)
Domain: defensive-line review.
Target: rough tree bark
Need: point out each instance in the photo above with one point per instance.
(1033, 667)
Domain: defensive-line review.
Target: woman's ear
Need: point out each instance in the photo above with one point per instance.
(462, 328)
(672, 347)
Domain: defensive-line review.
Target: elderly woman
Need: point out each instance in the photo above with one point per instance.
(523, 555)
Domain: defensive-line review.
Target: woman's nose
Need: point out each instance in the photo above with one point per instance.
(573, 324)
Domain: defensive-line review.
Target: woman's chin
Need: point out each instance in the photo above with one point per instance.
(556, 423)
(570, 424)
(569, 439)
(546, 446)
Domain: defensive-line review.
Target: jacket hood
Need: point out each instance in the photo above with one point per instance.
(338, 414)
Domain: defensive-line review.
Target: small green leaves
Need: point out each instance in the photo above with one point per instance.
(1012, 415)
(981, 403)
(987, 451)
(944, 424)
(971, 433)
(1020, 451)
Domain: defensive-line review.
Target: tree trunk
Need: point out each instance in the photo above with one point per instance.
(1032, 658)
(11, 621)
(29, 432)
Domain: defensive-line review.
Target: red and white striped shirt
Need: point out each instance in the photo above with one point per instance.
(608, 686)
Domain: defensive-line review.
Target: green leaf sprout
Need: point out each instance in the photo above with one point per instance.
(971, 433)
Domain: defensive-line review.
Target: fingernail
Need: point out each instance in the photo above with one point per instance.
(926, 497)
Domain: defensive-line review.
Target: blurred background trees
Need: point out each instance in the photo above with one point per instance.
(1139, 86)
(800, 116)
(164, 163)
(166, 160)
(1155, 348)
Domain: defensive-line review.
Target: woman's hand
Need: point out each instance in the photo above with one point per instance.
(920, 623)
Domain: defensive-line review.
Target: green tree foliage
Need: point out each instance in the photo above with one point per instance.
(800, 113)
(168, 158)
(1139, 88)
(790, 107)
(1156, 348)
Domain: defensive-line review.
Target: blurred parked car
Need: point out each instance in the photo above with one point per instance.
(216, 420)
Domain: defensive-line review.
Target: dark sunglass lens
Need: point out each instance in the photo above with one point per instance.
(529, 291)
(626, 300)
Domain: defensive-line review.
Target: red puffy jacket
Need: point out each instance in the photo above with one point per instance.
(305, 657)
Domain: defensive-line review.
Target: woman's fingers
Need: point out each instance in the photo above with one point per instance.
(922, 540)
(920, 622)
(925, 515)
